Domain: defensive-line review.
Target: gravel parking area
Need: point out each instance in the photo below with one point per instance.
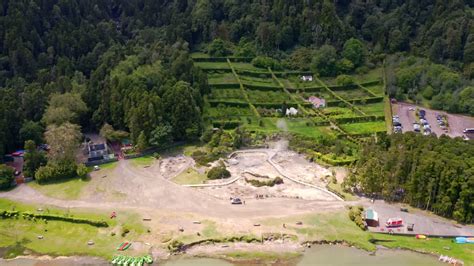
(423, 223)
(457, 123)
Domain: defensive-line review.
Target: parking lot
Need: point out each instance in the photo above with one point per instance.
(423, 222)
(407, 116)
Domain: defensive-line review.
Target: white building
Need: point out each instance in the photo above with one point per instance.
(307, 78)
(291, 111)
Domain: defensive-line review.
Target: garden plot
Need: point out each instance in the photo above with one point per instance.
(256, 96)
(224, 111)
(221, 78)
(339, 112)
(377, 89)
(365, 128)
(372, 108)
(354, 93)
(212, 65)
(226, 95)
(246, 66)
(257, 81)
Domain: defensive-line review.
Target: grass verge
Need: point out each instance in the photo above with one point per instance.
(190, 177)
(68, 189)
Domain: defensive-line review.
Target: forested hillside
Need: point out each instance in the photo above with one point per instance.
(426, 172)
(129, 60)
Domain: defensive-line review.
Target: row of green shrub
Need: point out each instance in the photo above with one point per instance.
(353, 85)
(327, 158)
(364, 135)
(275, 105)
(223, 59)
(357, 119)
(267, 183)
(226, 124)
(216, 103)
(224, 85)
(307, 89)
(253, 73)
(51, 217)
(356, 101)
(251, 86)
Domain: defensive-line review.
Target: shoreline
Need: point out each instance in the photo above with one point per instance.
(234, 252)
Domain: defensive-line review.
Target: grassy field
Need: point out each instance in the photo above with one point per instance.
(440, 246)
(190, 177)
(64, 238)
(364, 128)
(376, 89)
(212, 65)
(143, 161)
(227, 94)
(372, 108)
(218, 78)
(353, 94)
(68, 189)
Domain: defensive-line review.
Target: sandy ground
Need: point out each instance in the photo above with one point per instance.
(457, 123)
(254, 166)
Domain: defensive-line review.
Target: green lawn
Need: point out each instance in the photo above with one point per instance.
(212, 65)
(258, 81)
(441, 246)
(305, 127)
(143, 161)
(68, 189)
(246, 66)
(364, 128)
(373, 108)
(190, 177)
(325, 226)
(353, 94)
(227, 95)
(221, 78)
(256, 96)
(64, 238)
(376, 89)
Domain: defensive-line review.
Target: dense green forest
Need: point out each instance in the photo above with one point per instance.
(435, 174)
(129, 60)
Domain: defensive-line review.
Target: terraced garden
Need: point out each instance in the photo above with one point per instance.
(251, 97)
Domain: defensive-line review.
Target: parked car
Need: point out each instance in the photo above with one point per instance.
(404, 209)
(236, 201)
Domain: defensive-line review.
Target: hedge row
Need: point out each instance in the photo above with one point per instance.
(52, 217)
(356, 101)
(251, 86)
(365, 135)
(353, 85)
(275, 105)
(357, 119)
(253, 73)
(223, 59)
(317, 156)
(294, 73)
(226, 124)
(307, 89)
(224, 85)
(215, 103)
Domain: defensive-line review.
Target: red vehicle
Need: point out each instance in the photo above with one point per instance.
(394, 222)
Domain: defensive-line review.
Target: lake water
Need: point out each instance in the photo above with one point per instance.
(317, 255)
(326, 255)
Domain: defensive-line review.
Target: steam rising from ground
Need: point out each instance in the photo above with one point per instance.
(282, 145)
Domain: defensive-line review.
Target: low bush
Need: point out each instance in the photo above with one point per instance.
(266, 62)
(218, 172)
(355, 214)
(125, 231)
(268, 183)
(52, 217)
(6, 176)
(175, 246)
